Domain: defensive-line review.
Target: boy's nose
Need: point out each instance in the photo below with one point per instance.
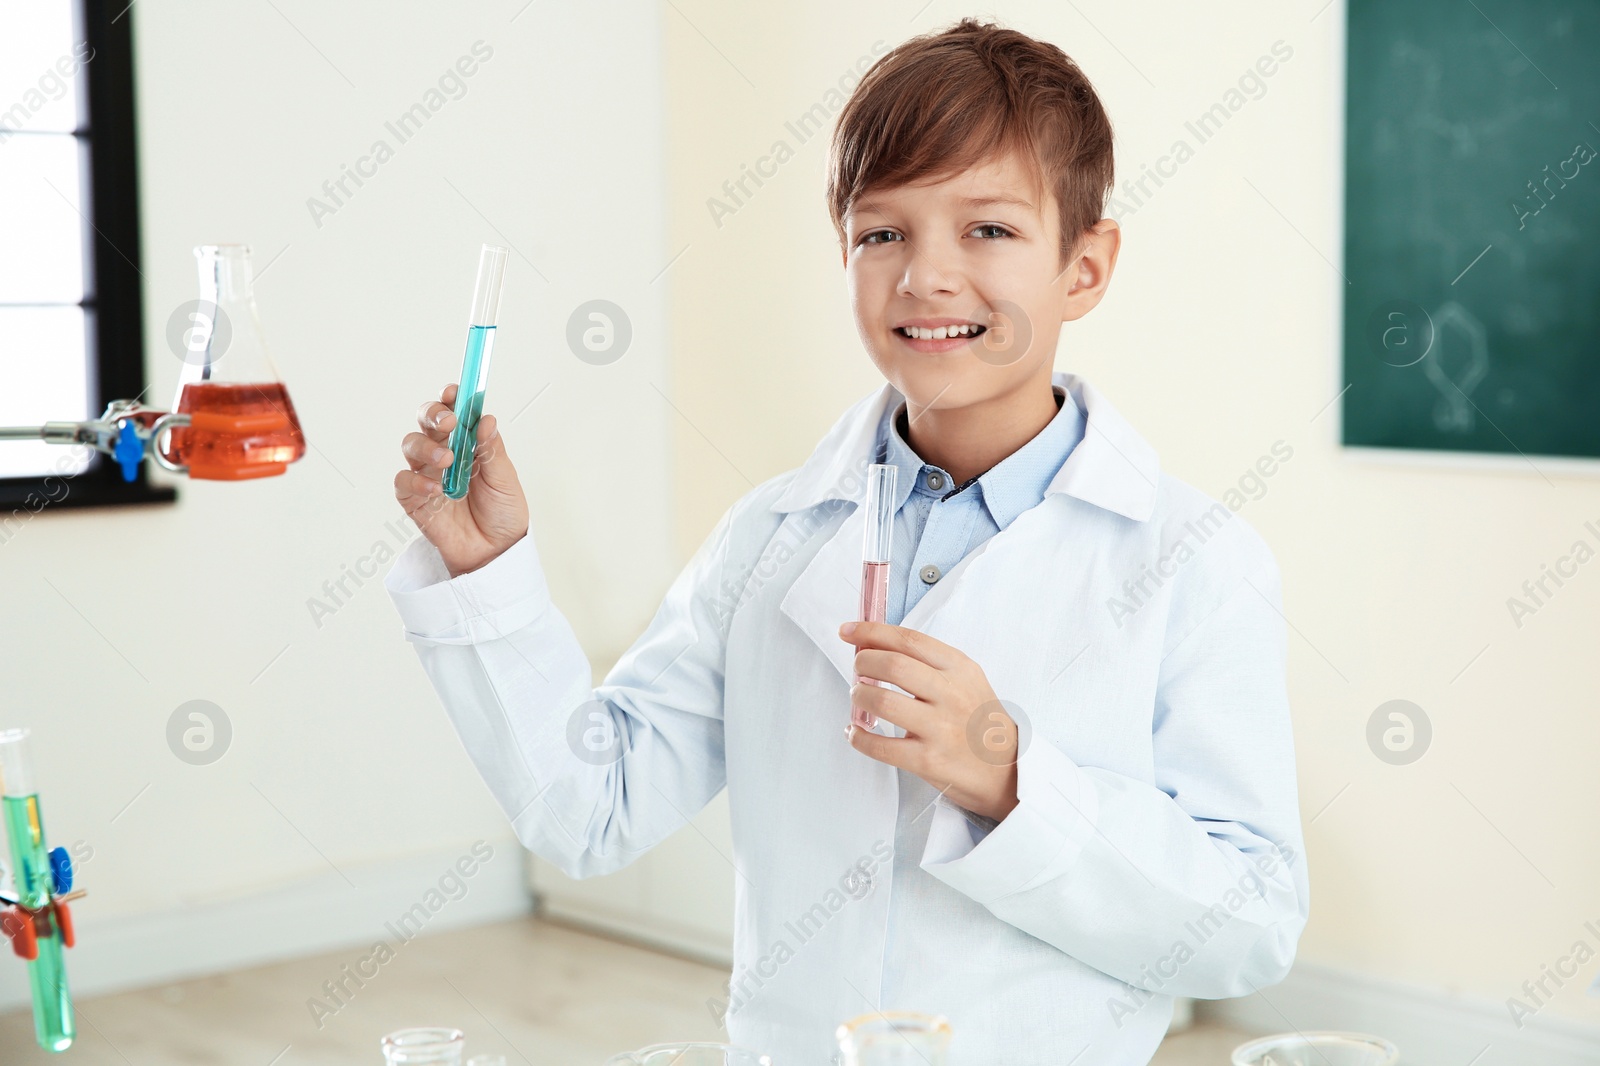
(928, 273)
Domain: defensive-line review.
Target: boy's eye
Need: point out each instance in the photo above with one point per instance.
(999, 231)
(886, 234)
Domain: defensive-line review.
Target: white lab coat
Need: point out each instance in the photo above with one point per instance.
(1156, 849)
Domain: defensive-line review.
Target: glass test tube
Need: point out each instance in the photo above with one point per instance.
(876, 539)
(30, 868)
(475, 369)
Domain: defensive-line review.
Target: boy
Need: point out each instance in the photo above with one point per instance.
(1086, 803)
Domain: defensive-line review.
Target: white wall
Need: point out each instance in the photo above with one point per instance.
(1461, 874)
(114, 618)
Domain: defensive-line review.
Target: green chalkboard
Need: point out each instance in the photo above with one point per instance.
(1472, 226)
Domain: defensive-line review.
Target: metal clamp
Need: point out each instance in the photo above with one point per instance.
(110, 434)
(155, 447)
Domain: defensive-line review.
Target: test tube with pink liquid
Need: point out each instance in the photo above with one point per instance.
(876, 539)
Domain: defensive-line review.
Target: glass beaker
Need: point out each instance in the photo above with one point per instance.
(242, 422)
(893, 1038)
(424, 1047)
(1317, 1049)
(690, 1055)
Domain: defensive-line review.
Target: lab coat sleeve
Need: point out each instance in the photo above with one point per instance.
(1194, 885)
(590, 777)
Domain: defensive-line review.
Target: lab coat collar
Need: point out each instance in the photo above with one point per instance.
(1112, 467)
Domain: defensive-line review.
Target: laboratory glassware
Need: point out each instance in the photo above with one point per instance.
(242, 423)
(424, 1047)
(475, 369)
(37, 921)
(895, 1038)
(231, 417)
(690, 1055)
(877, 536)
(1317, 1049)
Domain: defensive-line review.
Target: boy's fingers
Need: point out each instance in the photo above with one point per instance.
(891, 706)
(920, 646)
(424, 453)
(895, 751)
(447, 395)
(436, 420)
(490, 460)
(913, 675)
(414, 491)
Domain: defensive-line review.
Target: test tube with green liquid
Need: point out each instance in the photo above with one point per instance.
(35, 884)
(475, 369)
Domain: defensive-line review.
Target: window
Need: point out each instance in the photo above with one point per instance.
(70, 317)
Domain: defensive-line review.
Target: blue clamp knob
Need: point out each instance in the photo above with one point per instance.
(129, 451)
(61, 870)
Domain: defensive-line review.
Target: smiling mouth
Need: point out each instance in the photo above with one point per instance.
(941, 333)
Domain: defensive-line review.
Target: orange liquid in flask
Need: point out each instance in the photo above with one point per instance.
(239, 431)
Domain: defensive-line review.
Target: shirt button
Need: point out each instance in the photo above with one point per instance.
(936, 481)
(929, 574)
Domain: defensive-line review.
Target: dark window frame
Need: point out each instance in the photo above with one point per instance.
(113, 302)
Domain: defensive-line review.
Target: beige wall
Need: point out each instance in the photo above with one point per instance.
(1465, 871)
(334, 722)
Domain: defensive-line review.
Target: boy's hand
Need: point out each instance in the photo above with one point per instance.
(472, 531)
(959, 739)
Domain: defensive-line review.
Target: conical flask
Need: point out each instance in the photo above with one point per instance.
(242, 422)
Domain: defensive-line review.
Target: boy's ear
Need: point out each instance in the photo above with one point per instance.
(1089, 275)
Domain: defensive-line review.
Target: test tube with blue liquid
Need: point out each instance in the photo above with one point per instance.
(475, 369)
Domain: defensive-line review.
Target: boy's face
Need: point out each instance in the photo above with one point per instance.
(976, 249)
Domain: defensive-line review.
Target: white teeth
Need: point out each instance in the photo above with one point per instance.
(938, 334)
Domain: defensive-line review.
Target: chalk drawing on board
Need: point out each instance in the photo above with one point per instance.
(1460, 337)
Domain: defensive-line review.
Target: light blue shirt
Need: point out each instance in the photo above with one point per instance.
(938, 523)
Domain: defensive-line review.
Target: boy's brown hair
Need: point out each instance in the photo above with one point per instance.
(943, 102)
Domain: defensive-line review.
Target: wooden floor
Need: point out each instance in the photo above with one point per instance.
(534, 992)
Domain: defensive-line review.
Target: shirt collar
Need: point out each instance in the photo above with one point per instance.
(1008, 488)
(1111, 467)
(891, 448)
